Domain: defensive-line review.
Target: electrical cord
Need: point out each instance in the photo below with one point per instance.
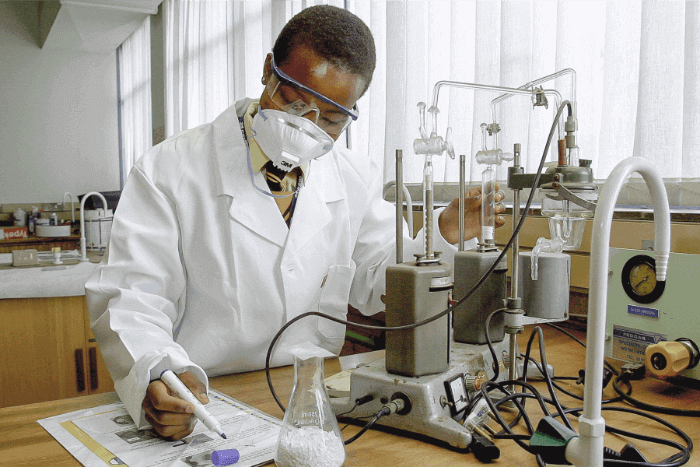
(545, 374)
(675, 460)
(569, 378)
(583, 344)
(515, 398)
(546, 377)
(622, 395)
(349, 411)
(518, 399)
(384, 411)
(540, 368)
(363, 417)
(568, 393)
(358, 402)
(487, 326)
(392, 407)
(624, 377)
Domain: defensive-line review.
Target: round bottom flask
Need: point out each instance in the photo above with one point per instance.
(310, 436)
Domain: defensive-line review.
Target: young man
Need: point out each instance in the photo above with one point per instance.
(207, 260)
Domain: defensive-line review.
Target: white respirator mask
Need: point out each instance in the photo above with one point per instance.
(289, 141)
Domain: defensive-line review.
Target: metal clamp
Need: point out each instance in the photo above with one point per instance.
(539, 99)
(564, 193)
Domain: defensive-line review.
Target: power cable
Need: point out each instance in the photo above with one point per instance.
(624, 377)
(677, 459)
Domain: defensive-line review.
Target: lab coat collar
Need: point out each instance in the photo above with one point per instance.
(312, 213)
(229, 142)
(259, 212)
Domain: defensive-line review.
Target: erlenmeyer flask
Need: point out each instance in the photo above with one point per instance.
(310, 436)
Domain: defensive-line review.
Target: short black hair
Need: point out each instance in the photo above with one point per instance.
(335, 34)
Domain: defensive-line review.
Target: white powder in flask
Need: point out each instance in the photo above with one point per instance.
(309, 447)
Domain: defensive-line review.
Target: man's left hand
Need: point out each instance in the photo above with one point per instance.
(449, 218)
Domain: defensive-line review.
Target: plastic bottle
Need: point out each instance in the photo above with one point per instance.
(20, 217)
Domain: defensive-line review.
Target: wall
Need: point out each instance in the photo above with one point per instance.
(625, 233)
(58, 118)
(628, 231)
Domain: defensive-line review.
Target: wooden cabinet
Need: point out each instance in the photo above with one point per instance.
(48, 352)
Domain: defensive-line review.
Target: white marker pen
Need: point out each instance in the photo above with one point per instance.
(183, 392)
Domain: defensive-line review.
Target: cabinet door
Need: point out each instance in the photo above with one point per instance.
(42, 349)
(98, 378)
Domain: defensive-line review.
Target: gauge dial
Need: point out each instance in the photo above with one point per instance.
(643, 279)
(639, 279)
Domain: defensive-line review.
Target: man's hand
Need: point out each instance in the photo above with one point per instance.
(449, 218)
(170, 416)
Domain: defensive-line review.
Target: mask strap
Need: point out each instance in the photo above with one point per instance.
(265, 192)
(250, 165)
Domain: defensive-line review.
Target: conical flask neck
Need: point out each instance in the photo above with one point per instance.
(310, 369)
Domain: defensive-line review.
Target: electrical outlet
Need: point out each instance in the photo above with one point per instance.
(25, 258)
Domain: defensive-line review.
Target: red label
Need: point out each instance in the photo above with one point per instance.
(13, 232)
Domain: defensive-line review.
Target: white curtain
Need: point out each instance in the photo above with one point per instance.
(136, 135)
(199, 62)
(215, 52)
(637, 66)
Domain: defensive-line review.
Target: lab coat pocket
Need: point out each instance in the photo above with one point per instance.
(335, 294)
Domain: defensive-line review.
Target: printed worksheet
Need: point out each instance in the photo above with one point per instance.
(106, 435)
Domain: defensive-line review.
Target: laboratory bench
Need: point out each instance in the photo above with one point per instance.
(47, 349)
(26, 443)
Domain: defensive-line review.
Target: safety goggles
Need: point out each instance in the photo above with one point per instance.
(293, 97)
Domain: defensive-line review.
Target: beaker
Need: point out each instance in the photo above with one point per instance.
(567, 220)
(310, 436)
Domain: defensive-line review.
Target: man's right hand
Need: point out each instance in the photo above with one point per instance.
(171, 417)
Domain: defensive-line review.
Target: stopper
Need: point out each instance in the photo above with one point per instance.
(225, 456)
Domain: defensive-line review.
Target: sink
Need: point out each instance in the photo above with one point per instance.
(53, 230)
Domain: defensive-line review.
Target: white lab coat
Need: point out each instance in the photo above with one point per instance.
(202, 271)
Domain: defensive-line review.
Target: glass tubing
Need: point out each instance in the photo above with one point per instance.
(507, 93)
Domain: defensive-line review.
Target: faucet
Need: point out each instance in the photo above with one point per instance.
(72, 206)
(587, 449)
(83, 252)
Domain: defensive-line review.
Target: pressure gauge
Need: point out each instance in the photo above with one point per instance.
(639, 279)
